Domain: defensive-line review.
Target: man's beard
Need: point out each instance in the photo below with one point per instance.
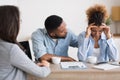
(59, 37)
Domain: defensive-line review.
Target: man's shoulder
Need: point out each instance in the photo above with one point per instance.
(40, 31)
(70, 32)
(82, 33)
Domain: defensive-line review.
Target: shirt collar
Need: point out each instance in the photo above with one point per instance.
(46, 33)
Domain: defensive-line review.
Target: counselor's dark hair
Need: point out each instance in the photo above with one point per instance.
(53, 22)
(97, 14)
(9, 23)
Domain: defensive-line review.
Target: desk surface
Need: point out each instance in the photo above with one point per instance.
(86, 74)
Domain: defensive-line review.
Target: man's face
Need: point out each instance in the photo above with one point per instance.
(60, 32)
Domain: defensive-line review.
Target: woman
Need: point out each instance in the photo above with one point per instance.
(97, 40)
(14, 64)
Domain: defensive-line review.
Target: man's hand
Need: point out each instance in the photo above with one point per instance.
(67, 59)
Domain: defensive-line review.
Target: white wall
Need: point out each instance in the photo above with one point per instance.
(8, 2)
(34, 13)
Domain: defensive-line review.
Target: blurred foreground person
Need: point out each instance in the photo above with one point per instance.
(14, 63)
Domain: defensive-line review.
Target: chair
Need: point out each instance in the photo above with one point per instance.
(28, 47)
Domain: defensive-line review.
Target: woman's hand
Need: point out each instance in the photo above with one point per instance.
(106, 30)
(88, 30)
(44, 63)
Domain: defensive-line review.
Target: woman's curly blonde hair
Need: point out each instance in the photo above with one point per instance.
(97, 14)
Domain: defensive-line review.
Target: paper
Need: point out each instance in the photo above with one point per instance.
(73, 65)
(105, 66)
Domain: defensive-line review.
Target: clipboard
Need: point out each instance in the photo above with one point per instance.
(73, 65)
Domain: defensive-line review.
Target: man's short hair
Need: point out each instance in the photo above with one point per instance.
(53, 22)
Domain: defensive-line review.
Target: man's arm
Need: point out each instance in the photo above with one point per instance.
(48, 57)
(67, 58)
(73, 39)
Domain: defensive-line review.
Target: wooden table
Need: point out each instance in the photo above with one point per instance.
(86, 74)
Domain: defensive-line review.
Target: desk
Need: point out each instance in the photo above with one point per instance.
(86, 74)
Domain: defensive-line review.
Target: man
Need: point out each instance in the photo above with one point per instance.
(54, 40)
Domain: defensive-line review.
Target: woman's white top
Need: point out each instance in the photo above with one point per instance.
(96, 52)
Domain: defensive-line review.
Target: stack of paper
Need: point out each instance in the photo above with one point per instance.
(105, 66)
(73, 65)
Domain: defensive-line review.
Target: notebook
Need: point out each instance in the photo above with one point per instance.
(73, 65)
(105, 66)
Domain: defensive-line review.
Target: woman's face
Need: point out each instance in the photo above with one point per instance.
(96, 32)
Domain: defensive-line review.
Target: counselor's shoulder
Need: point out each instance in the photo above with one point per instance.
(6, 46)
(10, 48)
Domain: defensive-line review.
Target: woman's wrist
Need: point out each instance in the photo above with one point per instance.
(108, 36)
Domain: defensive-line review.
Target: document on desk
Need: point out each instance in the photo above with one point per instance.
(73, 65)
(105, 66)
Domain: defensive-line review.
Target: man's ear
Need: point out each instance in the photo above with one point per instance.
(52, 34)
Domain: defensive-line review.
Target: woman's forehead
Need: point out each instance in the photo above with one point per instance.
(97, 28)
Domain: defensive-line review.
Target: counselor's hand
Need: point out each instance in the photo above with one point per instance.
(44, 63)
